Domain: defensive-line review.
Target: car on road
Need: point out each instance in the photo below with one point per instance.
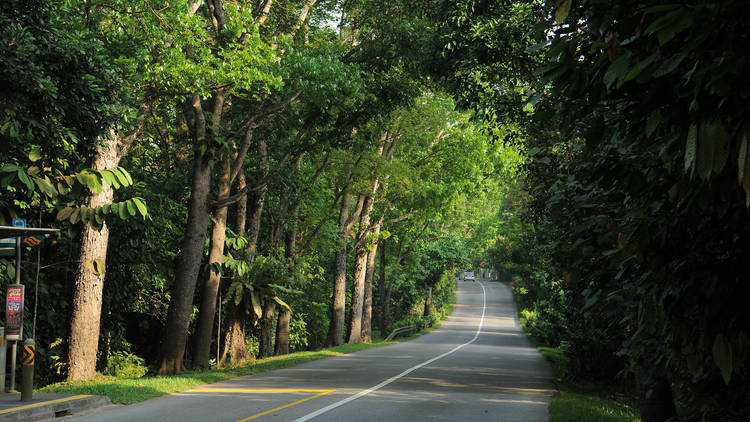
(469, 276)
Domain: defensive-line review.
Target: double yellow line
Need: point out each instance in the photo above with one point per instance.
(266, 390)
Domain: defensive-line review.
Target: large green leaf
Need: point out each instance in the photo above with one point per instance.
(256, 304)
(110, 178)
(122, 211)
(64, 213)
(46, 186)
(75, 216)
(141, 205)
(562, 12)
(35, 155)
(281, 302)
(119, 173)
(722, 353)
(741, 160)
(617, 70)
(91, 180)
(131, 208)
(25, 179)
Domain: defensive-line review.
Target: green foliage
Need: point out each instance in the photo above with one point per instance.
(123, 364)
(418, 322)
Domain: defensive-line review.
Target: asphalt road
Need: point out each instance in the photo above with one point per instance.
(478, 366)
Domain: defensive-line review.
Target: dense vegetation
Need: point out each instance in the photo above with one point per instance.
(288, 178)
(238, 180)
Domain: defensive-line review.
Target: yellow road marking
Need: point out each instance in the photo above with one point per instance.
(31, 406)
(266, 390)
(255, 390)
(288, 405)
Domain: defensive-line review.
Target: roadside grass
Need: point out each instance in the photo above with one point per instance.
(133, 390)
(577, 401)
(567, 406)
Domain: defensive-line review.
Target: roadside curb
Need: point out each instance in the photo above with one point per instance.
(47, 406)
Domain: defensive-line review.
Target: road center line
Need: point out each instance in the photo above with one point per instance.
(401, 375)
(324, 392)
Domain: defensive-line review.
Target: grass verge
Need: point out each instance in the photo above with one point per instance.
(578, 402)
(133, 390)
(567, 406)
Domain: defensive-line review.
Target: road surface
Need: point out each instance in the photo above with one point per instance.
(478, 366)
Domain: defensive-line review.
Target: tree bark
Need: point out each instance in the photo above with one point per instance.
(382, 288)
(428, 301)
(87, 297)
(188, 261)
(234, 340)
(267, 329)
(235, 348)
(367, 308)
(209, 293)
(290, 252)
(282, 332)
(338, 304)
(255, 218)
(360, 267)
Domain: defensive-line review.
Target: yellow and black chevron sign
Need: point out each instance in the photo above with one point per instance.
(33, 241)
(28, 354)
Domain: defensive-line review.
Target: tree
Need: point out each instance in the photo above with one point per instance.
(77, 53)
(220, 43)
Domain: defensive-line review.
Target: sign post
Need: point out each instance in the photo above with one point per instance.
(18, 313)
(20, 236)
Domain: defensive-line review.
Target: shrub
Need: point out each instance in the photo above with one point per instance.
(124, 364)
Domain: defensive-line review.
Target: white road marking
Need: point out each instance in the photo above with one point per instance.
(401, 375)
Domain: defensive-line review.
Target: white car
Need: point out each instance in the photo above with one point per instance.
(469, 276)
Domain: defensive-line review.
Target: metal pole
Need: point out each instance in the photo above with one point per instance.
(27, 377)
(18, 260)
(13, 367)
(3, 350)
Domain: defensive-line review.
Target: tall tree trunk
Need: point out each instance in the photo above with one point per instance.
(188, 261)
(290, 251)
(360, 267)
(381, 288)
(267, 329)
(235, 348)
(369, 275)
(87, 297)
(282, 332)
(428, 301)
(237, 314)
(338, 304)
(209, 293)
(255, 218)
